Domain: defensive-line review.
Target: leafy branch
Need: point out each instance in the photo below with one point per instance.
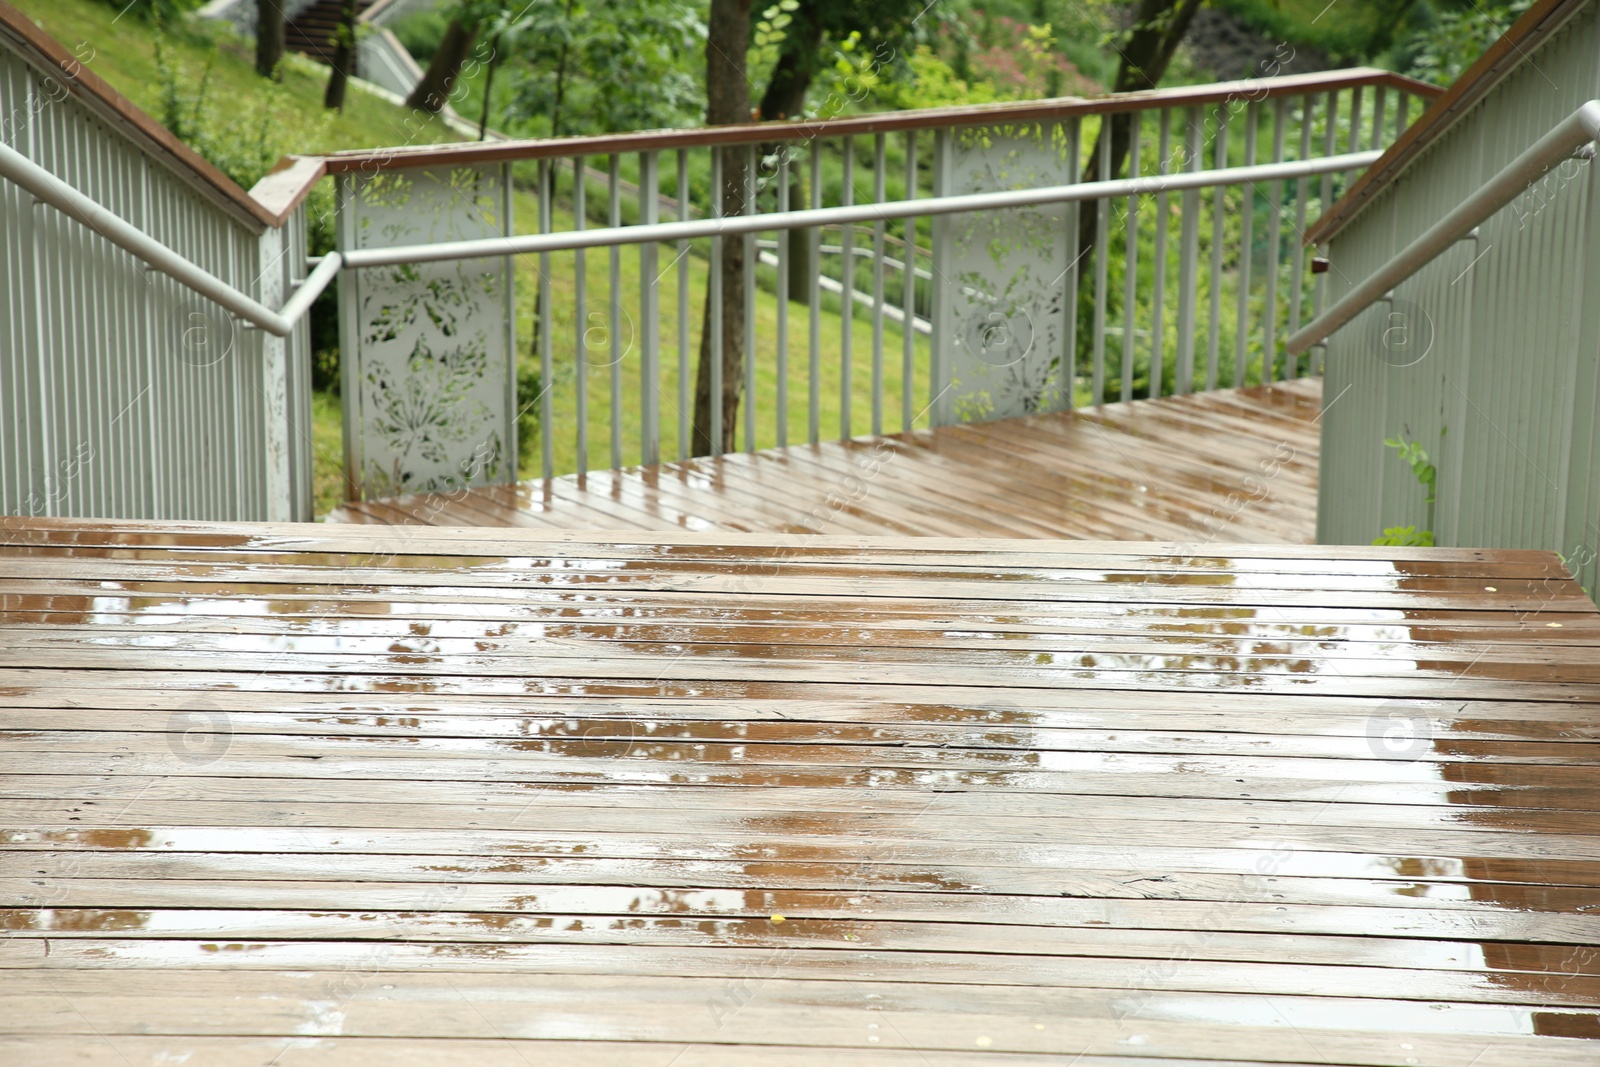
(1416, 457)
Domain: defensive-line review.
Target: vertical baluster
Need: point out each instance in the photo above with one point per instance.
(715, 295)
(1188, 257)
(750, 263)
(1130, 266)
(1158, 298)
(1319, 283)
(1402, 113)
(1218, 214)
(580, 307)
(814, 304)
(614, 351)
(650, 315)
(1269, 311)
(1355, 132)
(1297, 263)
(546, 416)
(1069, 347)
(879, 195)
(908, 330)
(1378, 100)
(1247, 192)
(1102, 210)
(847, 277)
(783, 300)
(683, 308)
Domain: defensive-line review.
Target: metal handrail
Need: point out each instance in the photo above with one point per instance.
(51, 190)
(733, 225)
(1574, 132)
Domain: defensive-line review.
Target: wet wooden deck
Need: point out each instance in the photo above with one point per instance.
(329, 795)
(1228, 466)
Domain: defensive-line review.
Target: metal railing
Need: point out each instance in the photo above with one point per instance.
(1185, 273)
(1188, 273)
(1573, 136)
(123, 393)
(48, 189)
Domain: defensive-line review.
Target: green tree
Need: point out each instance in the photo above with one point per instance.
(615, 65)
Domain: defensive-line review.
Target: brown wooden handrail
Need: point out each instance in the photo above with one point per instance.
(1533, 27)
(283, 189)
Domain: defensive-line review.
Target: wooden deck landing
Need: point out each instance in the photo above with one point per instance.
(1229, 466)
(315, 796)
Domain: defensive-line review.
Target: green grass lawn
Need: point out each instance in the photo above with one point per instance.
(601, 363)
(124, 54)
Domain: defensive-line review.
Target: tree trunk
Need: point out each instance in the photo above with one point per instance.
(727, 101)
(488, 87)
(1158, 29)
(269, 38)
(433, 91)
(344, 57)
(797, 64)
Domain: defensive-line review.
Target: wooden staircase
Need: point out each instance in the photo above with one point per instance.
(311, 32)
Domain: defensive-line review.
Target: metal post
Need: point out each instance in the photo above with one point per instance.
(1130, 266)
(580, 309)
(649, 316)
(1188, 256)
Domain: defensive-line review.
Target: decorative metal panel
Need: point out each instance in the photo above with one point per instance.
(429, 353)
(1000, 324)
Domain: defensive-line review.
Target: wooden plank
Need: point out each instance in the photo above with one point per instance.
(363, 788)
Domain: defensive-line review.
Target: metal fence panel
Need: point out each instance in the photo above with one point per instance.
(1498, 382)
(122, 393)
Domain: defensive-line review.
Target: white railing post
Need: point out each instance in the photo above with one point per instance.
(1158, 309)
(1188, 256)
(715, 297)
(580, 313)
(784, 252)
(649, 316)
(615, 353)
(1130, 266)
(1102, 217)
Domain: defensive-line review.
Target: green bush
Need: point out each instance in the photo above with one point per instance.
(1441, 51)
(161, 12)
(421, 32)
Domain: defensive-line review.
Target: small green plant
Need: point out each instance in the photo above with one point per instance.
(1407, 536)
(1416, 457)
(768, 36)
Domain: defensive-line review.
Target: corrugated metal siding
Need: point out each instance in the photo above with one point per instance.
(122, 393)
(1504, 399)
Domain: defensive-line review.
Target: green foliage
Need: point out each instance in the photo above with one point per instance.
(160, 12)
(623, 65)
(421, 32)
(929, 81)
(1414, 456)
(1406, 537)
(242, 142)
(767, 39)
(1441, 51)
(1360, 31)
(530, 387)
